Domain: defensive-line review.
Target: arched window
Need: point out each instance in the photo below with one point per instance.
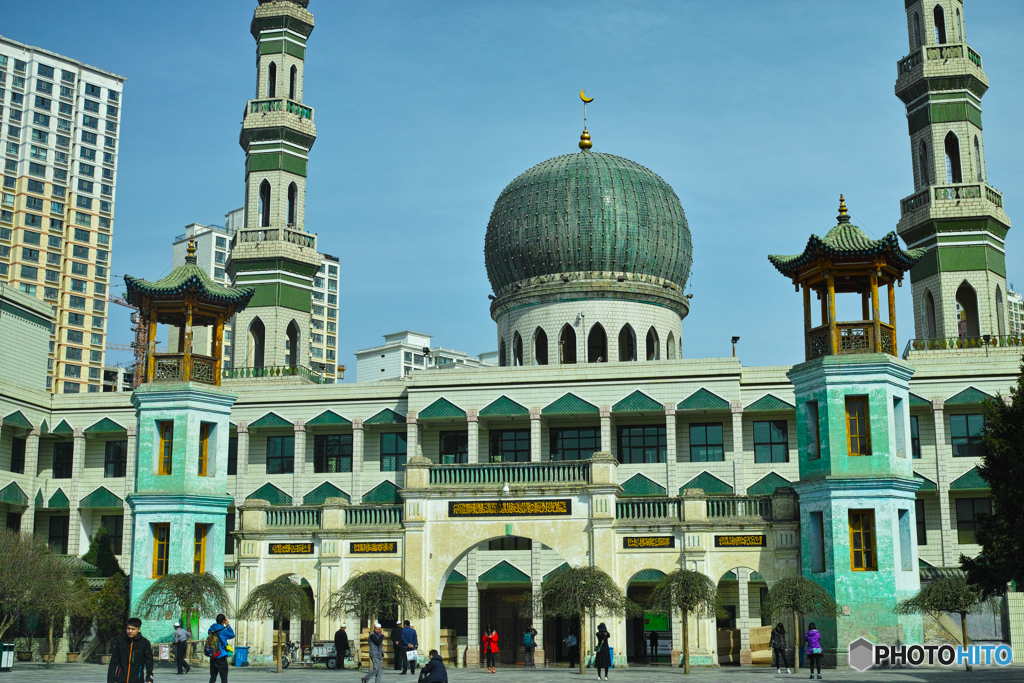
(597, 344)
(670, 346)
(293, 196)
(264, 208)
(967, 311)
(292, 75)
(977, 158)
(517, 350)
(922, 164)
(917, 31)
(653, 345)
(940, 24)
(272, 80)
(540, 347)
(291, 345)
(502, 358)
(931, 331)
(1000, 319)
(627, 344)
(953, 173)
(959, 27)
(255, 348)
(567, 345)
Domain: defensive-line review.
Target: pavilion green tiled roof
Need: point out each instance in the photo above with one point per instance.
(708, 483)
(385, 493)
(504, 572)
(639, 485)
(441, 408)
(386, 417)
(328, 417)
(969, 481)
(322, 492)
(455, 577)
(13, 495)
(648, 576)
(968, 397)
(847, 241)
(104, 426)
(59, 501)
(16, 419)
(271, 494)
(503, 406)
(926, 483)
(916, 401)
(270, 420)
(766, 485)
(63, 428)
(702, 399)
(570, 404)
(637, 402)
(768, 402)
(557, 570)
(187, 278)
(101, 498)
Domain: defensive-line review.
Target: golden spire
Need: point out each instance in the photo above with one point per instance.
(843, 217)
(585, 142)
(190, 254)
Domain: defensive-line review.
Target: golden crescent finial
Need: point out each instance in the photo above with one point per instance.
(584, 97)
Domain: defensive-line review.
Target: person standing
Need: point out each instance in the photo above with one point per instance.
(572, 647)
(652, 637)
(397, 646)
(813, 640)
(411, 644)
(602, 652)
(376, 643)
(181, 637)
(132, 656)
(490, 640)
(341, 647)
(222, 633)
(529, 648)
(778, 645)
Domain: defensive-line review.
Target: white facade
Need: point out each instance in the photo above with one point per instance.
(403, 353)
(323, 333)
(1014, 312)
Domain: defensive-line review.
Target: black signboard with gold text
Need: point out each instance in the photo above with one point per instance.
(747, 541)
(509, 508)
(637, 542)
(291, 548)
(372, 547)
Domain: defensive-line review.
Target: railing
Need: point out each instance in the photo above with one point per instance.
(738, 506)
(230, 573)
(377, 515)
(293, 517)
(171, 367)
(994, 196)
(915, 202)
(958, 192)
(271, 371)
(962, 343)
(663, 509)
(572, 472)
(945, 52)
(854, 337)
(974, 57)
(275, 105)
(907, 64)
(303, 239)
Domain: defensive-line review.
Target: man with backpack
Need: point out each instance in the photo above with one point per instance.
(132, 656)
(217, 648)
(529, 647)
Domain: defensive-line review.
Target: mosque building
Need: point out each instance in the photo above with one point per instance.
(593, 441)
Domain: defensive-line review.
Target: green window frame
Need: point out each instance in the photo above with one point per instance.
(771, 441)
(453, 447)
(63, 459)
(706, 442)
(392, 451)
(115, 459)
(965, 431)
(643, 444)
(510, 445)
(280, 454)
(58, 533)
(18, 456)
(575, 443)
(114, 524)
(332, 453)
(967, 511)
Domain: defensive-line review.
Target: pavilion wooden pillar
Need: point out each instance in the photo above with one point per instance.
(876, 316)
(807, 321)
(892, 313)
(186, 361)
(151, 346)
(864, 307)
(833, 331)
(217, 349)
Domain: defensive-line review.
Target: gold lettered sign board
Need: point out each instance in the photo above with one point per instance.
(638, 542)
(373, 547)
(291, 548)
(747, 541)
(509, 508)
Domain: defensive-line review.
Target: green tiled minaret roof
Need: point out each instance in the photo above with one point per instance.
(587, 212)
(187, 278)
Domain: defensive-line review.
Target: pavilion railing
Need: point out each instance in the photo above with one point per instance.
(171, 367)
(854, 337)
(520, 473)
(964, 343)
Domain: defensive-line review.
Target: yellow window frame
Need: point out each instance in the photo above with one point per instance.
(204, 447)
(161, 549)
(199, 549)
(164, 458)
(863, 543)
(858, 426)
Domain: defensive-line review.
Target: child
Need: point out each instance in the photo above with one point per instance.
(813, 639)
(778, 646)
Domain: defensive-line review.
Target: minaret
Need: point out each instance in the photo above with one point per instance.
(273, 253)
(959, 287)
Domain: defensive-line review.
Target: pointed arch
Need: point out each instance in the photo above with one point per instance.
(959, 27)
(256, 346)
(567, 345)
(930, 331)
(293, 338)
(924, 177)
(293, 74)
(967, 311)
(502, 358)
(627, 343)
(540, 347)
(653, 345)
(272, 80)
(264, 204)
(954, 173)
(917, 31)
(1000, 312)
(293, 198)
(597, 344)
(517, 350)
(670, 348)
(939, 17)
(977, 160)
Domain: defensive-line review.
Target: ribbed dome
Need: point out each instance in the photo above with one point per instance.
(587, 212)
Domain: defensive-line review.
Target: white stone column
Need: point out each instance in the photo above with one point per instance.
(131, 458)
(534, 434)
(74, 493)
(739, 484)
(241, 462)
(536, 576)
(299, 466)
(357, 461)
(943, 453)
(670, 450)
(28, 517)
(606, 428)
(473, 653)
(473, 436)
(743, 615)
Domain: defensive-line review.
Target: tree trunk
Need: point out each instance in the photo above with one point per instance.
(796, 642)
(280, 647)
(686, 643)
(583, 644)
(963, 627)
(50, 657)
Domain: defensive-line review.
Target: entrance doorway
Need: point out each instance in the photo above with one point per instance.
(648, 637)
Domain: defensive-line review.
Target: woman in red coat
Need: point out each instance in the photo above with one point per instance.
(490, 641)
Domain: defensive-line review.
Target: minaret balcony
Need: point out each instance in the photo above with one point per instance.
(951, 201)
(932, 61)
(279, 104)
(278, 112)
(289, 235)
(857, 336)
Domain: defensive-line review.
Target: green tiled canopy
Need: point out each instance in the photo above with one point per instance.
(385, 493)
(702, 399)
(916, 401)
(455, 577)
(101, 498)
(326, 418)
(39, 498)
(441, 408)
(637, 402)
(104, 426)
(926, 483)
(968, 397)
(768, 402)
(271, 494)
(766, 485)
(386, 417)
(570, 404)
(648, 576)
(59, 501)
(270, 420)
(969, 481)
(639, 485)
(504, 572)
(708, 483)
(322, 492)
(16, 419)
(63, 428)
(557, 570)
(187, 278)
(13, 495)
(847, 241)
(503, 406)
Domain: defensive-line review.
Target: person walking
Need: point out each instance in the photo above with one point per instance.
(132, 655)
(572, 648)
(652, 637)
(434, 670)
(411, 644)
(602, 652)
(181, 637)
(813, 640)
(778, 645)
(217, 642)
(490, 640)
(397, 646)
(376, 644)
(529, 648)
(341, 647)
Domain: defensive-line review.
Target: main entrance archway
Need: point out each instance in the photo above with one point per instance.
(648, 636)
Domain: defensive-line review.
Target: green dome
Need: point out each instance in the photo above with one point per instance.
(587, 212)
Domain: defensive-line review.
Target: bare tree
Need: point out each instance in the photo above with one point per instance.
(20, 578)
(201, 595)
(794, 596)
(280, 599)
(371, 594)
(689, 592)
(60, 595)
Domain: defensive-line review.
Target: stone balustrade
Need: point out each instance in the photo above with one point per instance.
(279, 105)
(255, 235)
(293, 517)
(519, 473)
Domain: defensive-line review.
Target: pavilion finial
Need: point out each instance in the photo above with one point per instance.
(843, 217)
(190, 254)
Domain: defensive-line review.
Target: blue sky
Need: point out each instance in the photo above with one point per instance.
(758, 114)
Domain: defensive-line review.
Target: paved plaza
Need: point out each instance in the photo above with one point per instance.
(94, 673)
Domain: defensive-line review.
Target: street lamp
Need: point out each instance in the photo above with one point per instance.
(734, 340)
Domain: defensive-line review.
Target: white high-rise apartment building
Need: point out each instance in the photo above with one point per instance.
(323, 333)
(59, 127)
(406, 352)
(1014, 312)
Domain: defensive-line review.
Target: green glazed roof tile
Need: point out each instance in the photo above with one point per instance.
(385, 493)
(13, 495)
(766, 485)
(639, 485)
(63, 428)
(729, 576)
(39, 499)
(503, 406)
(322, 492)
(504, 572)
(16, 419)
(187, 279)
(968, 397)
(104, 426)
(386, 417)
(637, 402)
(648, 575)
(916, 401)
(270, 420)
(708, 483)
(101, 498)
(702, 399)
(59, 501)
(455, 577)
(926, 483)
(328, 417)
(969, 481)
(932, 573)
(271, 494)
(570, 404)
(755, 576)
(768, 402)
(847, 241)
(44, 428)
(922, 563)
(441, 408)
(557, 570)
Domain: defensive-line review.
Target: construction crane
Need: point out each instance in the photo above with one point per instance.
(139, 345)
